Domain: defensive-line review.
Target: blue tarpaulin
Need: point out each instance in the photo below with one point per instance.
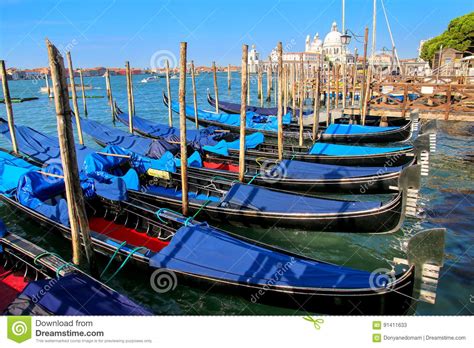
(254, 121)
(261, 199)
(223, 147)
(42, 147)
(327, 149)
(306, 170)
(344, 129)
(78, 294)
(11, 169)
(205, 251)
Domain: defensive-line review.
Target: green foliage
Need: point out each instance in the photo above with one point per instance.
(459, 35)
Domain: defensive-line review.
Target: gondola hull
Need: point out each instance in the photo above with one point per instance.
(393, 300)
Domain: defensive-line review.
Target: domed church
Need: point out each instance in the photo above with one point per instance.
(331, 47)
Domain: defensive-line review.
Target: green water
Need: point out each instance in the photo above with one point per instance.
(447, 197)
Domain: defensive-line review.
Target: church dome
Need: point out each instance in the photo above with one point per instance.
(317, 41)
(333, 38)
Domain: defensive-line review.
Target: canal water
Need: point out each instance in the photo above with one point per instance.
(447, 197)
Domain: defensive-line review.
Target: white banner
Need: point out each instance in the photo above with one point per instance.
(244, 331)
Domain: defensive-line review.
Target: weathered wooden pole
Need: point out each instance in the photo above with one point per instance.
(243, 110)
(193, 79)
(75, 199)
(301, 104)
(336, 80)
(316, 104)
(129, 97)
(328, 94)
(168, 91)
(48, 90)
(216, 87)
(364, 70)
(354, 78)
(279, 101)
(110, 97)
(8, 106)
(84, 103)
(259, 84)
(74, 98)
(269, 82)
(228, 77)
(285, 89)
(293, 91)
(182, 127)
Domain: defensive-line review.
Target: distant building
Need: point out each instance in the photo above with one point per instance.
(449, 63)
(253, 60)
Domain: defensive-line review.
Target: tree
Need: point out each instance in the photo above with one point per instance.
(459, 35)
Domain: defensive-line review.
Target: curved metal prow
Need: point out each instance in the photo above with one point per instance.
(409, 183)
(414, 117)
(422, 148)
(431, 128)
(425, 251)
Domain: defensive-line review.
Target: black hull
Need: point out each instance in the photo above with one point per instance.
(394, 300)
(385, 219)
(401, 134)
(395, 159)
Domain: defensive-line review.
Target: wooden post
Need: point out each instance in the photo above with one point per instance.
(366, 95)
(364, 73)
(228, 77)
(8, 106)
(269, 82)
(74, 196)
(259, 84)
(336, 79)
(354, 78)
(301, 94)
(328, 94)
(293, 91)
(194, 95)
(109, 94)
(168, 91)
(243, 110)
(74, 98)
(84, 103)
(129, 97)
(216, 88)
(182, 127)
(48, 90)
(279, 101)
(285, 89)
(317, 99)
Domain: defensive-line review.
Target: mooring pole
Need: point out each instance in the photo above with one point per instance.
(109, 94)
(84, 103)
(129, 97)
(228, 77)
(48, 90)
(74, 195)
(260, 84)
(74, 98)
(364, 71)
(182, 127)
(354, 78)
(316, 104)
(279, 101)
(216, 88)
(328, 94)
(194, 95)
(301, 103)
(168, 91)
(243, 110)
(285, 89)
(293, 91)
(8, 106)
(269, 82)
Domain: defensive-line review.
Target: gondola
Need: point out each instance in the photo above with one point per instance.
(193, 253)
(287, 175)
(234, 108)
(346, 133)
(36, 282)
(219, 199)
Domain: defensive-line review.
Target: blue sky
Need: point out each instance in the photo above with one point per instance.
(108, 32)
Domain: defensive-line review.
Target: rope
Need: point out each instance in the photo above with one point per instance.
(158, 213)
(253, 178)
(196, 213)
(112, 258)
(124, 263)
(44, 254)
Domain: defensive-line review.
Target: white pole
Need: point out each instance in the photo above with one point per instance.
(374, 28)
(391, 37)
